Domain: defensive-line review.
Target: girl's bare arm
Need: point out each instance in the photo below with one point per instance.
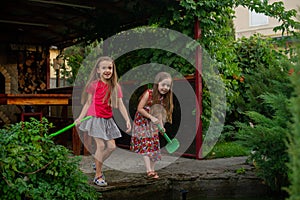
(124, 113)
(141, 109)
(84, 109)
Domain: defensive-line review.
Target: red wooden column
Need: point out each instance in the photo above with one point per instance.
(76, 142)
(87, 144)
(198, 90)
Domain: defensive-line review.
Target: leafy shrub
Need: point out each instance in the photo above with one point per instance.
(266, 137)
(33, 167)
(294, 137)
(264, 70)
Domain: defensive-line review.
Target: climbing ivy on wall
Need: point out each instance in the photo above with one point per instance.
(217, 38)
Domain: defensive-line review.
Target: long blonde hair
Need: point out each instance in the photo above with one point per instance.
(112, 83)
(167, 98)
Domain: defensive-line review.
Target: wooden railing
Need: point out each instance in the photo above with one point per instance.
(35, 99)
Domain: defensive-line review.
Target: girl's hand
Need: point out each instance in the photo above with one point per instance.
(77, 121)
(154, 120)
(128, 126)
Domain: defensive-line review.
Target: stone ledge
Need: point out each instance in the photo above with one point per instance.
(207, 178)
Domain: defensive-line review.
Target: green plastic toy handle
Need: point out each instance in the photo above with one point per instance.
(172, 145)
(165, 134)
(67, 127)
(167, 138)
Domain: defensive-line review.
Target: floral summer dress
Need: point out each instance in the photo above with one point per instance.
(145, 135)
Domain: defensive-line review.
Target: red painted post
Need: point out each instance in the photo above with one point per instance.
(76, 142)
(198, 91)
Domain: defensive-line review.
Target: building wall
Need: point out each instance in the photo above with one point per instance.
(243, 20)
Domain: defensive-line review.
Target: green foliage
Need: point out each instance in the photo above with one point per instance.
(217, 32)
(144, 56)
(241, 170)
(263, 70)
(228, 149)
(266, 137)
(294, 137)
(248, 68)
(81, 58)
(33, 167)
(276, 9)
(217, 38)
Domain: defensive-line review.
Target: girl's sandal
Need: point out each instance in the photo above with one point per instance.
(100, 181)
(152, 174)
(94, 168)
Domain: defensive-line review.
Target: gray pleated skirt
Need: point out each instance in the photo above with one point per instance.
(105, 129)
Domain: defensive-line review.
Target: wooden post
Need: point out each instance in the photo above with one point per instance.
(87, 144)
(198, 91)
(76, 143)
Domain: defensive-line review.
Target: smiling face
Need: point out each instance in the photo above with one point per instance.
(105, 70)
(164, 86)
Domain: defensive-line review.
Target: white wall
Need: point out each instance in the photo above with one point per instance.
(242, 22)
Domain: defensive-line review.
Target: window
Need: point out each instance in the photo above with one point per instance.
(258, 19)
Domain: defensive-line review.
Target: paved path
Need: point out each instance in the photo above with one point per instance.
(125, 174)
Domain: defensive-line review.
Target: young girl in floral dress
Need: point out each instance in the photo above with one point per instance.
(145, 137)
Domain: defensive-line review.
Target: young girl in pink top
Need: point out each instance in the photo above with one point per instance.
(100, 95)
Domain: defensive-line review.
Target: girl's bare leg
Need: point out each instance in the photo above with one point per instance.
(147, 163)
(102, 153)
(110, 147)
(100, 146)
(152, 166)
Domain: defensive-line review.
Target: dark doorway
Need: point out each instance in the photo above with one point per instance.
(2, 84)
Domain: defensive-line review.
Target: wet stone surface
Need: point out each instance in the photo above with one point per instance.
(230, 177)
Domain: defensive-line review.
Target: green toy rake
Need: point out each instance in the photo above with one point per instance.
(67, 127)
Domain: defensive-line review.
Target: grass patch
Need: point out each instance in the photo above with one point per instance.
(228, 149)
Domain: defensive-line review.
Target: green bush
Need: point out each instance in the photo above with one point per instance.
(262, 114)
(264, 70)
(294, 137)
(33, 167)
(266, 137)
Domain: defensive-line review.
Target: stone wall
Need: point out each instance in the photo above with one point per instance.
(9, 113)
